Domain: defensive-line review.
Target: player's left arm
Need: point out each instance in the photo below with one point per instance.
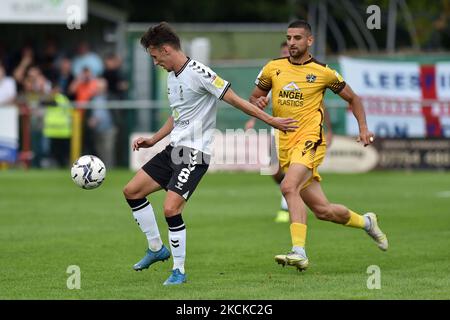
(354, 101)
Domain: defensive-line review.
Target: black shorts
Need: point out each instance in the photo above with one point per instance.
(178, 169)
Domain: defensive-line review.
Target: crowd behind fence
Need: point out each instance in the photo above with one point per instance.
(40, 81)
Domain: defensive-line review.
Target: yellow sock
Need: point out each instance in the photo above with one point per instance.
(355, 221)
(298, 234)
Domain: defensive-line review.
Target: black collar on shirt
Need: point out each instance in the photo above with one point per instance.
(182, 68)
(300, 64)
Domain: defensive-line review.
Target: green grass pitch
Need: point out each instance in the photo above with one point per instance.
(48, 224)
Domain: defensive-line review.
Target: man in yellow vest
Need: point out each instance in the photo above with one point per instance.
(58, 125)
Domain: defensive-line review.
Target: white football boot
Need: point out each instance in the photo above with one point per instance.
(375, 232)
(293, 259)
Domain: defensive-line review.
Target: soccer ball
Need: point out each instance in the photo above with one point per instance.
(88, 172)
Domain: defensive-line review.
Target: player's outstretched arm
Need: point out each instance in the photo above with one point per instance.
(365, 136)
(283, 124)
(142, 142)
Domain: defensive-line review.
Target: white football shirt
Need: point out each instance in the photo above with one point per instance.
(193, 95)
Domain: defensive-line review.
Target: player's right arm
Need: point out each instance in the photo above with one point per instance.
(260, 101)
(259, 97)
(165, 130)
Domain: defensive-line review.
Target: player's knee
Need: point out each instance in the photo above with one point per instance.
(322, 211)
(171, 210)
(130, 192)
(287, 188)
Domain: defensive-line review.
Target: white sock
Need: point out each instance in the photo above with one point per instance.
(284, 205)
(299, 250)
(177, 240)
(145, 217)
(367, 223)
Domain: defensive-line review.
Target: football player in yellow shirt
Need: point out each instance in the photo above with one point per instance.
(283, 213)
(297, 84)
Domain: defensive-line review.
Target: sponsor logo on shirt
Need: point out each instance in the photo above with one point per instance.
(291, 86)
(182, 124)
(218, 82)
(290, 95)
(175, 114)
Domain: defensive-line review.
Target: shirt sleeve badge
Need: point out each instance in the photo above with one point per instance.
(218, 82)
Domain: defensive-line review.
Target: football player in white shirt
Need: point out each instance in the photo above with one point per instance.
(193, 91)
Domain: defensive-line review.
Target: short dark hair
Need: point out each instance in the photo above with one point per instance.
(160, 34)
(283, 44)
(300, 24)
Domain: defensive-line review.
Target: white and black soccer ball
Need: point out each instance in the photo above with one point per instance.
(88, 172)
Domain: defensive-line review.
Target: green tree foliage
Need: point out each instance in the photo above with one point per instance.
(431, 18)
(205, 10)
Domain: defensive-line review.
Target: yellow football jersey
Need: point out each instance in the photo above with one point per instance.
(297, 92)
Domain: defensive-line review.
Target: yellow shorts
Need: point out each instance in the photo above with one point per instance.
(307, 153)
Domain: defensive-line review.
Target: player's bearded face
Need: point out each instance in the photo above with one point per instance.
(298, 40)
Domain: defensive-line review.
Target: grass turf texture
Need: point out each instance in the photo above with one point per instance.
(47, 224)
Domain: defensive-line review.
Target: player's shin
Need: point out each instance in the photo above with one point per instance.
(145, 218)
(177, 239)
(298, 235)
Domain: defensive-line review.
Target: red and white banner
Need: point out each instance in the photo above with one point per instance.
(401, 99)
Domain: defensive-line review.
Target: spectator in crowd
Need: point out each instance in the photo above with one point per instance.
(102, 125)
(65, 76)
(7, 88)
(84, 88)
(49, 59)
(57, 127)
(86, 59)
(5, 58)
(117, 85)
(117, 90)
(26, 60)
(33, 87)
